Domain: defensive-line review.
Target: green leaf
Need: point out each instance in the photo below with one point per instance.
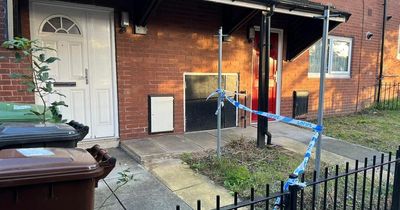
(18, 57)
(48, 48)
(26, 53)
(44, 89)
(49, 87)
(59, 103)
(30, 86)
(60, 94)
(36, 113)
(36, 64)
(42, 57)
(44, 68)
(51, 60)
(45, 76)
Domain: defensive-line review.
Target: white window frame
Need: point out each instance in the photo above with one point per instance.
(331, 73)
(10, 19)
(398, 45)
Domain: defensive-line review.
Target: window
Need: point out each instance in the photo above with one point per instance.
(339, 58)
(60, 25)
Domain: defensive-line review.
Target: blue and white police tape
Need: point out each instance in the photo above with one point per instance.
(293, 180)
(222, 96)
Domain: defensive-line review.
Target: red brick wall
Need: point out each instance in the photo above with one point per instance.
(341, 95)
(392, 61)
(10, 89)
(180, 39)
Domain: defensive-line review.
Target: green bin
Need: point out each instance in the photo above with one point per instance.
(17, 112)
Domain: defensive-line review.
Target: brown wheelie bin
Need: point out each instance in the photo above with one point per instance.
(51, 178)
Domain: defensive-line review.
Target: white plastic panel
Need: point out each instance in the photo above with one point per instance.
(78, 98)
(77, 69)
(161, 114)
(104, 110)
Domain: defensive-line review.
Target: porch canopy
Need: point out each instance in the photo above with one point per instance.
(298, 18)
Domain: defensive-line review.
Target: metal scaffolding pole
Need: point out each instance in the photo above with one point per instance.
(219, 95)
(324, 67)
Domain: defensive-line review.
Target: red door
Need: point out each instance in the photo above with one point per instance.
(273, 66)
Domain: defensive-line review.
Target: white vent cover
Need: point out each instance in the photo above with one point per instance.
(161, 114)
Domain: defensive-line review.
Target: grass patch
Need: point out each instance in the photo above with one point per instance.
(378, 129)
(243, 166)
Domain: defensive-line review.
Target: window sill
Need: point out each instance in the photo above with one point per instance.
(329, 76)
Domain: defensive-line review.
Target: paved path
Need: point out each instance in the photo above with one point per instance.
(160, 156)
(145, 192)
(290, 137)
(187, 184)
(334, 151)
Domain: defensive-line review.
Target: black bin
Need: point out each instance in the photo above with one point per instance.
(300, 104)
(30, 134)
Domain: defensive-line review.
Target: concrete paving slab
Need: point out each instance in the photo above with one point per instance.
(145, 192)
(226, 135)
(153, 202)
(203, 139)
(115, 206)
(188, 185)
(207, 194)
(124, 161)
(144, 147)
(349, 150)
(175, 144)
(102, 193)
(300, 148)
(143, 184)
(175, 175)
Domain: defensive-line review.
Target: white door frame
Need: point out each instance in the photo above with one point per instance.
(86, 7)
(278, 73)
(205, 73)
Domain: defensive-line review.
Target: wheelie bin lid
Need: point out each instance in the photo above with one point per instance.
(21, 133)
(29, 166)
(18, 112)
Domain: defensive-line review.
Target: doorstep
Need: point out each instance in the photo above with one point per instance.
(103, 142)
(172, 146)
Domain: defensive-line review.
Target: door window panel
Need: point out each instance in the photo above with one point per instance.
(62, 25)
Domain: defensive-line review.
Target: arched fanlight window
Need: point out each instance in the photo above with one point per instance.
(61, 25)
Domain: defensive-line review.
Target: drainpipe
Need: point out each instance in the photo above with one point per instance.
(360, 56)
(261, 121)
(380, 76)
(263, 78)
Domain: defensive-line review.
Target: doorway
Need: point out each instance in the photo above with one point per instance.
(83, 37)
(275, 60)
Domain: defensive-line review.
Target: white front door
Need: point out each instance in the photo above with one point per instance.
(82, 38)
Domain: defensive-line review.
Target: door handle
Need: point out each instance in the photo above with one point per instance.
(86, 76)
